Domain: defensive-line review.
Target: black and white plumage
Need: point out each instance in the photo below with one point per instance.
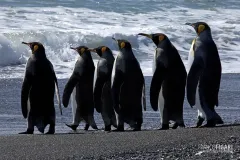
(102, 86)
(37, 96)
(167, 88)
(204, 76)
(80, 88)
(128, 88)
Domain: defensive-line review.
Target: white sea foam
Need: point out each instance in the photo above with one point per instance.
(58, 28)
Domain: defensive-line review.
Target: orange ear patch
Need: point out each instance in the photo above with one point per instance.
(122, 45)
(161, 37)
(35, 48)
(200, 28)
(103, 49)
(82, 50)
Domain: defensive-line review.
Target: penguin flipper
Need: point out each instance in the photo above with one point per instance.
(97, 92)
(156, 84)
(69, 88)
(116, 89)
(58, 97)
(192, 80)
(76, 117)
(144, 96)
(57, 93)
(56, 87)
(26, 86)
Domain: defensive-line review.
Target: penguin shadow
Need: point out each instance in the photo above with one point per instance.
(129, 131)
(98, 131)
(218, 126)
(82, 131)
(60, 133)
(79, 132)
(227, 125)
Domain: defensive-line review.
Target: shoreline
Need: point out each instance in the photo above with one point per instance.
(183, 143)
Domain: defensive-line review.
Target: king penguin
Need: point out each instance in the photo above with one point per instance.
(128, 88)
(167, 88)
(37, 95)
(80, 86)
(204, 75)
(102, 86)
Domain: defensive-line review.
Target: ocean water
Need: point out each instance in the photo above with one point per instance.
(59, 24)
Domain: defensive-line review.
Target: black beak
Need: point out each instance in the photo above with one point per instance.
(146, 35)
(26, 43)
(190, 24)
(73, 48)
(114, 39)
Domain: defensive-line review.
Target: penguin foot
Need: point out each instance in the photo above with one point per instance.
(51, 129)
(164, 127)
(174, 125)
(114, 125)
(107, 128)
(41, 129)
(119, 129)
(219, 121)
(182, 125)
(210, 123)
(86, 127)
(137, 129)
(50, 132)
(114, 122)
(27, 132)
(72, 126)
(95, 127)
(199, 122)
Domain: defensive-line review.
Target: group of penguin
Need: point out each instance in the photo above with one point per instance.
(116, 88)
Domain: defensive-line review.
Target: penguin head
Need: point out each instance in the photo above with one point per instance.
(81, 50)
(100, 50)
(199, 27)
(157, 38)
(36, 47)
(123, 44)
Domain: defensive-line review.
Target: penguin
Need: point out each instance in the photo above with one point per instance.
(37, 94)
(128, 88)
(167, 90)
(80, 86)
(204, 76)
(102, 86)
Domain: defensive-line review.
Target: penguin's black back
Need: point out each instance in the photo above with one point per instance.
(209, 82)
(84, 71)
(40, 74)
(131, 89)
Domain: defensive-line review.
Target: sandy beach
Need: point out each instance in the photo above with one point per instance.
(188, 143)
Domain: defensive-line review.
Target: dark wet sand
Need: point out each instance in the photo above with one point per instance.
(185, 143)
